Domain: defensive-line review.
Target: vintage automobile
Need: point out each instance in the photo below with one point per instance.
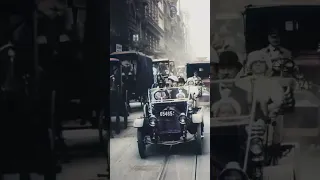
(298, 34)
(250, 140)
(170, 117)
(165, 67)
(203, 69)
(118, 103)
(137, 74)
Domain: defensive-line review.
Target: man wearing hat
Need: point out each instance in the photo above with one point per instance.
(228, 68)
(274, 49)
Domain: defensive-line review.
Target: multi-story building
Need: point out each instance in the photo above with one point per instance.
(174, 31)
(137, 25)
(152, 26)
(118, 25)
(149, 26)
(185, 18)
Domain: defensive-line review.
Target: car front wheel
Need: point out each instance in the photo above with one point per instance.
(141, 143)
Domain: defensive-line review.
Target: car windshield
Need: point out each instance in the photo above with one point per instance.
(169, 94)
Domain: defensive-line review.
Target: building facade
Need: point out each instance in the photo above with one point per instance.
(175, 31)
(152, 27)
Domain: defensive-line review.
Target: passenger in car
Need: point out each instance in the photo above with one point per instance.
(274, 50)
(228, 107)
(228, 68)
(266, 89)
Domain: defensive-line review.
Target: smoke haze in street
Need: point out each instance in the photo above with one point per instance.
(199, 25)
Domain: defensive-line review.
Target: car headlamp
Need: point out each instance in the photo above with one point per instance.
(256, 146)
(152, 121)
(182, 118)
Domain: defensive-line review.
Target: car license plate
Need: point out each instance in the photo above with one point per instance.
(166, 113)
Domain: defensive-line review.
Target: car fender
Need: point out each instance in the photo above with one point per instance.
(138, 123)
(197, 118)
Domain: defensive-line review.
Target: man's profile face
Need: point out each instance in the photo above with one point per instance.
(227, 72)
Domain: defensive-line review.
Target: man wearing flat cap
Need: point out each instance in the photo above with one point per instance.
(274, 50)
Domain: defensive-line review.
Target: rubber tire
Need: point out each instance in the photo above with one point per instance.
(198, 141)
(118, 124)
(101, 127)
(125, 118)
(141, 143)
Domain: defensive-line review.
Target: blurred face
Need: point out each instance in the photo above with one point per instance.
(227, 72)
(174, 84)
(274, 39)
(259, 67)
(195, 73)
(226, 110)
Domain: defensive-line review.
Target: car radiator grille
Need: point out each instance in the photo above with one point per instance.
(168, 125)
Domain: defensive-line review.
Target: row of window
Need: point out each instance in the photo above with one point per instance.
(153, 42)
(152, 11)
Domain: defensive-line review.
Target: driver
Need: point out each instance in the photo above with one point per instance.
(274, 50)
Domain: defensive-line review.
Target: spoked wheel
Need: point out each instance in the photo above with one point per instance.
(142, 147)
(198, 141)
(104, 140)
(51, 173)
(125, 119)
(118, 124)
(102, 127)
(141, 99)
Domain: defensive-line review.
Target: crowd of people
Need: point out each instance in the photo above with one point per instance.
(252, 77)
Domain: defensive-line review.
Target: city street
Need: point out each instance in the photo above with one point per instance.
(162, 163)
(86, 159)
